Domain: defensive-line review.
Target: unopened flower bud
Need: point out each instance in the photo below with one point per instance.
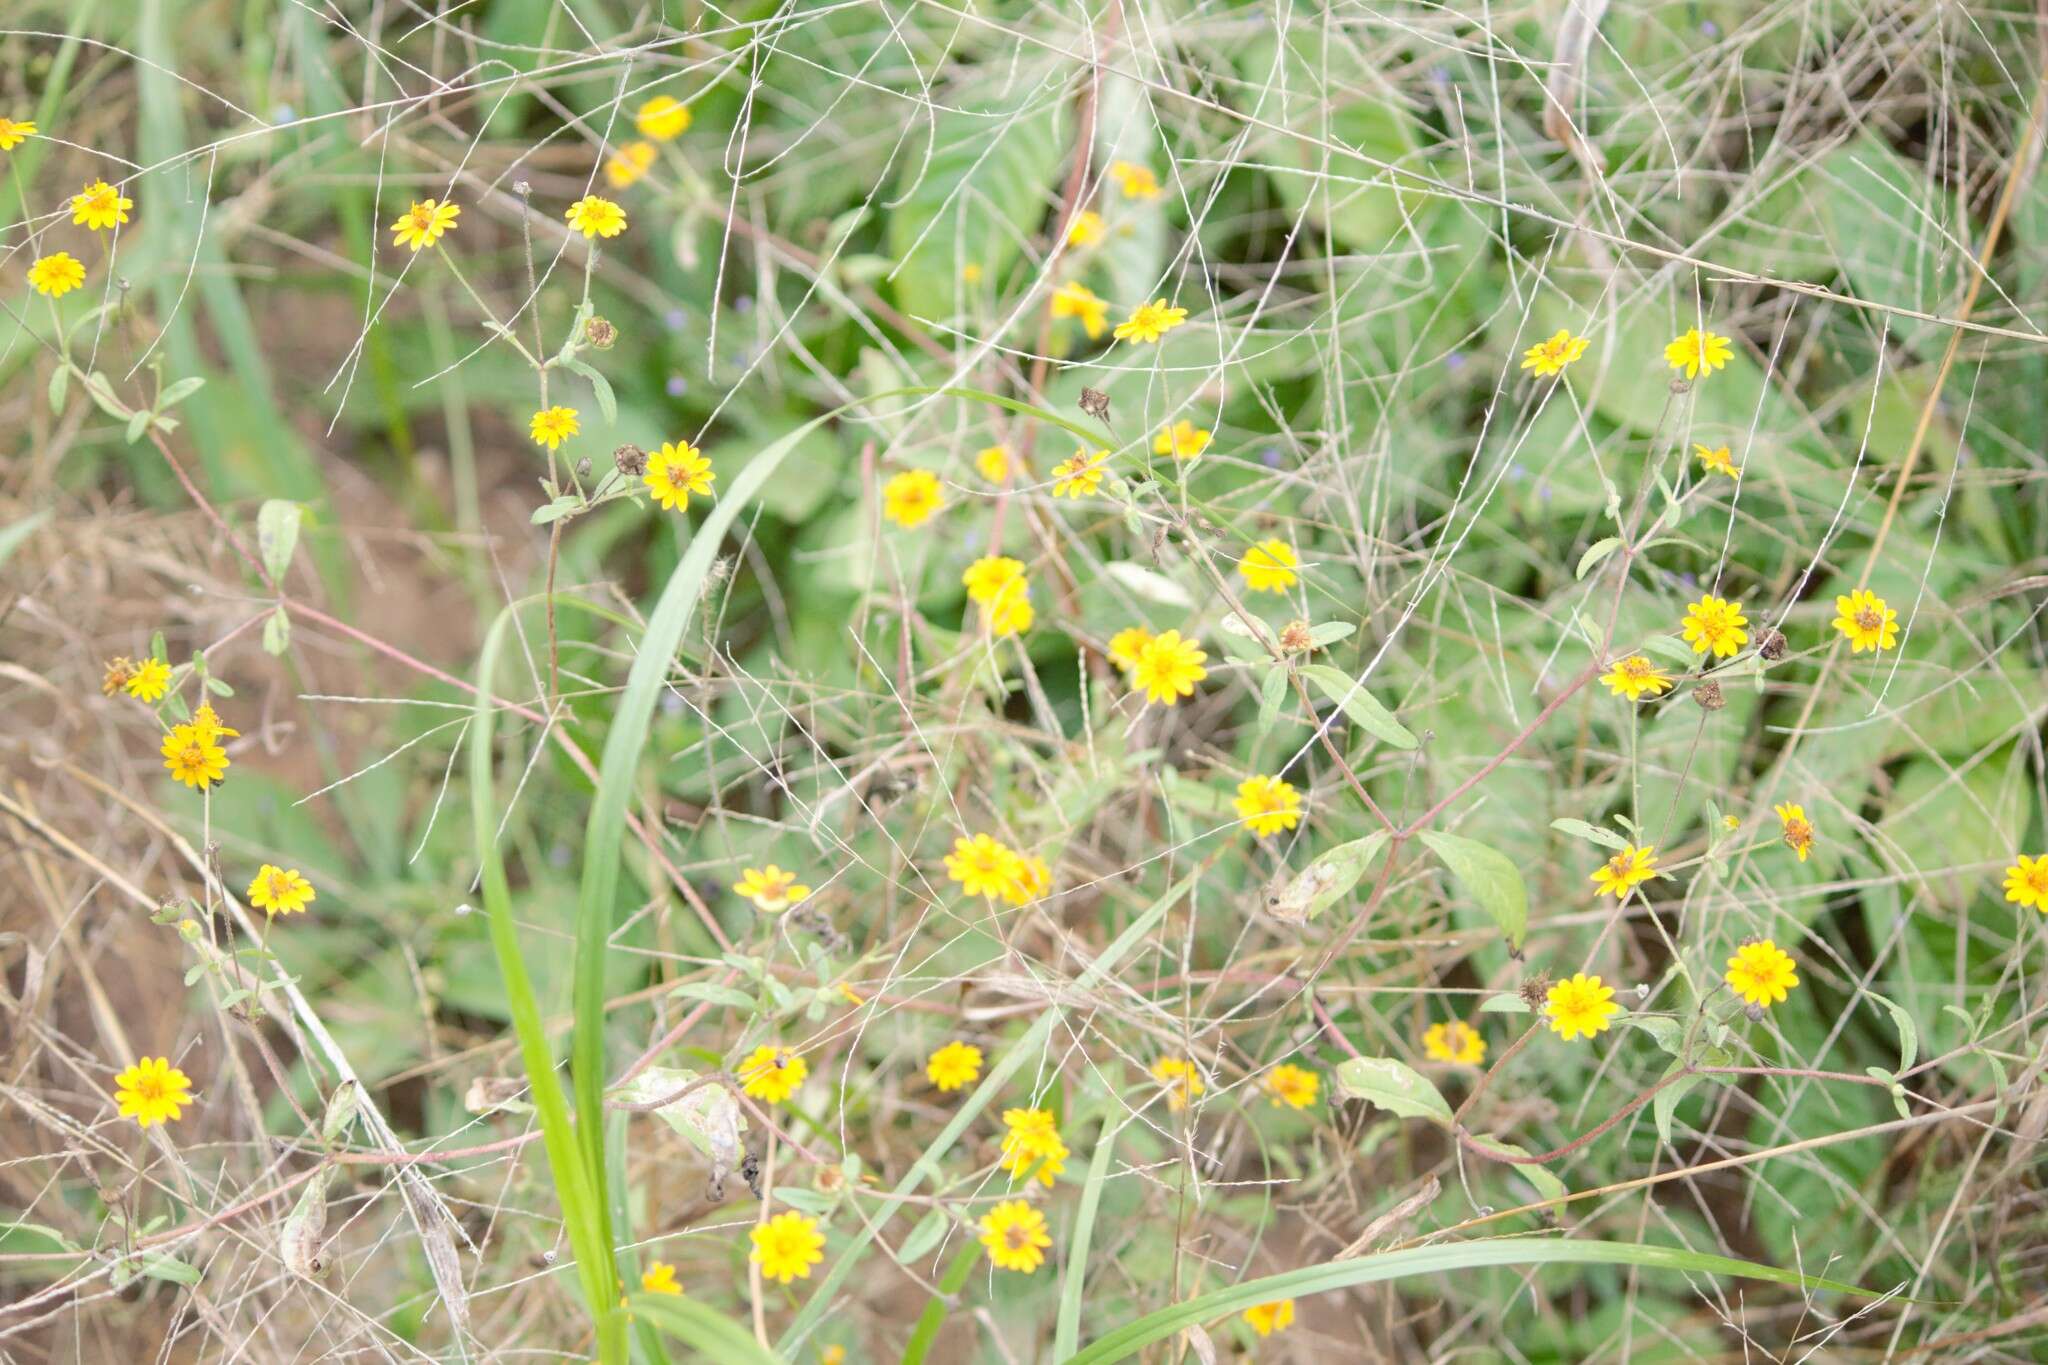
(631, 460)
(1708, 695)
(600, 333)
(1772, 646)
(1754, 1013)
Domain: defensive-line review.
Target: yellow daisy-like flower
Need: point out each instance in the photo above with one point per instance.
(984, 866)
(423, 223)
(835, 1354)
(770, 888)
(1183, 440)
(1015, 1236)
(912, 498)
(1034, 884)
(1267, 804)
(1269, 566)
(1080, 476)
(1625, 871)
(787, 1246)
(1268, 1318)
(1866, 622)
(13, 131)
(631, 162)
(208, 720)
(954, 1065)
(99, 206)
(1182, 1079)
(149, 680)
(596, 216)
(552, 426)
(280, 891)
(1697, 352)
(1076, 300)
(1456, 1042)
(1717, 460)
(1716, 624)
(193, 758)
(1032, 1140)
(56, 275)
(1126, 645)
(1137, 182)
(1292, 1086)
(971, 273)
(1761, 973)
(152, 1092)
(660, 1278)
(993, 462)
(987, 576)
(2026, 882)
(1550, 357)
(1580, 1006)
(1168, 668)
(1086, 229)
(675, 472)
(1150, 321)
(663, 118)
(772, 1073)
(1798, 829)
(1009, 612)
(1633, 676)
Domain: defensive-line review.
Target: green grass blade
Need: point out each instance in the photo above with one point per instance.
(1067, 1335)
(1127, 1340)
(934, 1315)
(714, 1335)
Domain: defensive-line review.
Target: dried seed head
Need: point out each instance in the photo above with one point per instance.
(1295, 638)
(1772, 646)
(631, 460)
(1755, 1013)
(583, 468)
(1535, 990)
(600, 333)
(120, 669)
(1095, 403)
(1708, 695)
(829, 1179)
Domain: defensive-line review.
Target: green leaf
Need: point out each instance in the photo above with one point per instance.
(1540, 1177)
(1067, 1332)
(1490, 876)
(1393, 1086)
(1592, 834)
(277, 632)
(1272, 692)
(1316, 887)
(556, 510)
(934, 1315)
(1359, 705)
(697, 1324)
(1596, 552)
(607, 402)
(179, 392)
(138, 422)
(1909, 1032)
(277, 535)
(1504, 1002)
(60, 387)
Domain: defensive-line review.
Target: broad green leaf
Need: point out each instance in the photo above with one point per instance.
(1490, 876)
(1592, 834)
(277, 535)
(1359, 705)
(1393, 1086)
(1333, 873)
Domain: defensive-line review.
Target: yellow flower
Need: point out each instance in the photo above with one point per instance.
(1697, 351)
(1456, 1042)
(1080, 476)
(1150, 321)
(1182, 1079)
(1580, 1006)
(193, 758)
(1269, 566)
(662, 118)
(280, 891)
(149, 680)
(1633, 676)
(594, 216)
(1550, 357)
(99, 205)
(1761, 973)
(1716, 624)
(552, 426)
(1183, 440)
(984, 866)
(1076, 300)
(208, 720)
(850, 995)
(423, 223)
(2026, 882)
(1010, 611)
(1015, 1236)
(835, 1354)
(1291, 1085)
(1032, 1139)
(57, 274)
(1168, 668)
(660, 1279)
(1866, 622)
(1137, 182)
(787, 1246)
(994, 463)
(772, 1073)
(954, 1065)
(1625, 871)
(633, 160)
(970, 273)
(152, 1091)
(1268, 1318)
(675, 472)
(1126, 645)
(1036, 881)
(1798, 829)
(911, 498)
(769, 888)
(986, 576)
(12, 131)
(1268, 804)
(1717, 461)
(1086, 229)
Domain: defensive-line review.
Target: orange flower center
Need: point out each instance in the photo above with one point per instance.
(1869, 618)
(192, 756)
(1016, 1237)
(1798, 832)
